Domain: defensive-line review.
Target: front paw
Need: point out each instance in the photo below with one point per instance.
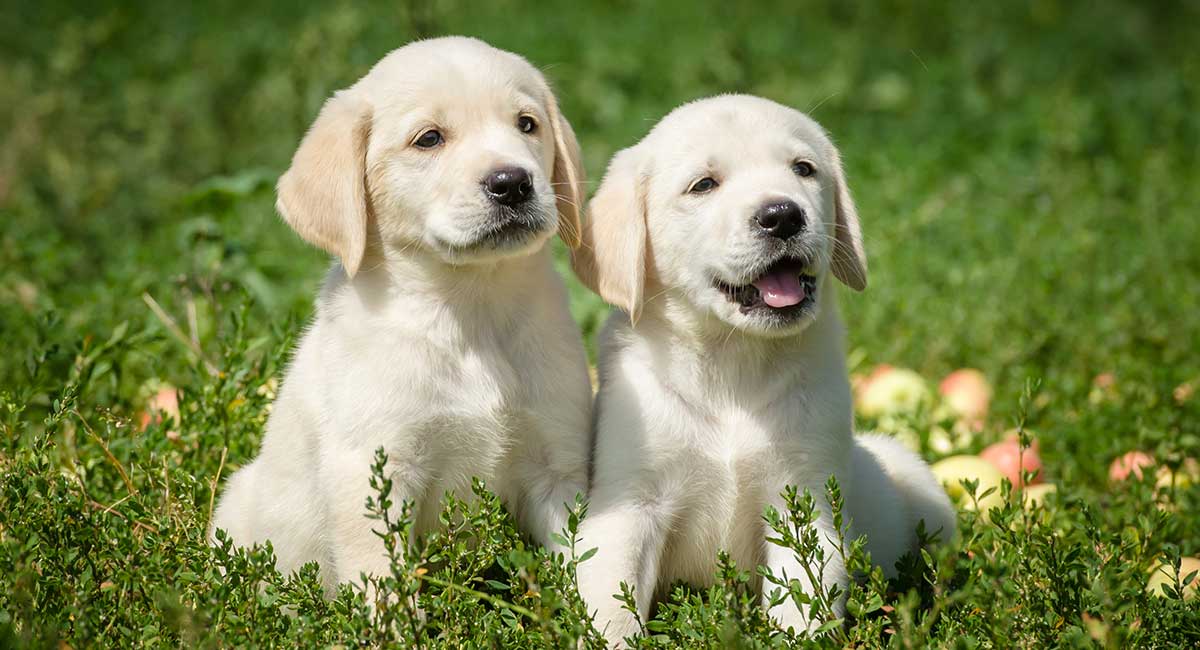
(618, 628)
(801, 619)
(790, 617)
(615, 623)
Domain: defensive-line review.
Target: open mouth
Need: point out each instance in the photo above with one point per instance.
(785, 288)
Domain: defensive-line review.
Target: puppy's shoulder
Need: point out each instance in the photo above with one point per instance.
(614, 334)
(618, 343)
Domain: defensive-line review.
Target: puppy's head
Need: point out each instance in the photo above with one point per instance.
(448, 146)
(735, 203)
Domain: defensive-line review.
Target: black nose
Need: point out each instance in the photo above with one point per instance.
(781, 219)
(508, 186)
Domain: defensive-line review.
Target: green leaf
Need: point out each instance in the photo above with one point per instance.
(829, 625)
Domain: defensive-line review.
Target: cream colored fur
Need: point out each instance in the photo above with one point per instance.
(705, 414)
(452, 351)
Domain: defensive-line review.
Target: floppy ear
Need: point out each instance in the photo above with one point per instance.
(568, 177)
(323, 196)
(849, 259)
(611, 259)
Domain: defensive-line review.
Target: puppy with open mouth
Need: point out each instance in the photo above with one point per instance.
(723, 379)
(443, 334)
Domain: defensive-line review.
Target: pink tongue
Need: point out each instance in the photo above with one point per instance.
(780, 289)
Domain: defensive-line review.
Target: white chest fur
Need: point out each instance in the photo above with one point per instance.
(694, 441)
(718, 462)
(491, 384)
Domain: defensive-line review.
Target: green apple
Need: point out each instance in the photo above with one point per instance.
(1034, 496)
(953, 470)
(892, 391)
(1187, 474)
(940, 441)
(1164, 574)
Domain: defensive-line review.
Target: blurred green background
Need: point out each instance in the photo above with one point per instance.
(1026, 172)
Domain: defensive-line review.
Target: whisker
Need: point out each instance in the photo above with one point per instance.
(728, 338)
(655, 296)
(814, 108)
(560, 197)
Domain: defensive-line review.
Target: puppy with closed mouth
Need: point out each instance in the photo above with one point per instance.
(723, 379)
(442, 335)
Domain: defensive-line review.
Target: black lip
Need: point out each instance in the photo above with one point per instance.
(750, 301)
(509, 227)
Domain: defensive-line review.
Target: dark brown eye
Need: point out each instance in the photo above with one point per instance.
(803, 168)
(703, 186)
(429, 139)
(527, 124)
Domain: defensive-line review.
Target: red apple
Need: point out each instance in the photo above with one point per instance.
(968, 394)
(1131, 462)
(1104, 388)
(859, 382)
(1183, 392)
(1013, 462)
(856, 382)
(163, 403)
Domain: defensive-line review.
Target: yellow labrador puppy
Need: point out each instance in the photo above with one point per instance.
(443, 334)
(723, 380)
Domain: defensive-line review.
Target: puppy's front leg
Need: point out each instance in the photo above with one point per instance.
(629, 540)
(783, 562)
(346, 478)
(549, 469)
(547, 497)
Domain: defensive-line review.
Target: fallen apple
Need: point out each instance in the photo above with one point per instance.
(859, 382)
(940, 441)
(953, 470)
(1183, 392)
(892, 391)
(902, 433)
(1104, 388)
(965, 433)
(162, 404)
(968, 394)
(1013, 461)
(945, 440)
(1130, 462)
(1164, 574)
(1034, 496)
(1187, 474)
(879, 371)
(856, 382)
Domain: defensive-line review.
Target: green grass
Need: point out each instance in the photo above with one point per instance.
(1026, 173)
